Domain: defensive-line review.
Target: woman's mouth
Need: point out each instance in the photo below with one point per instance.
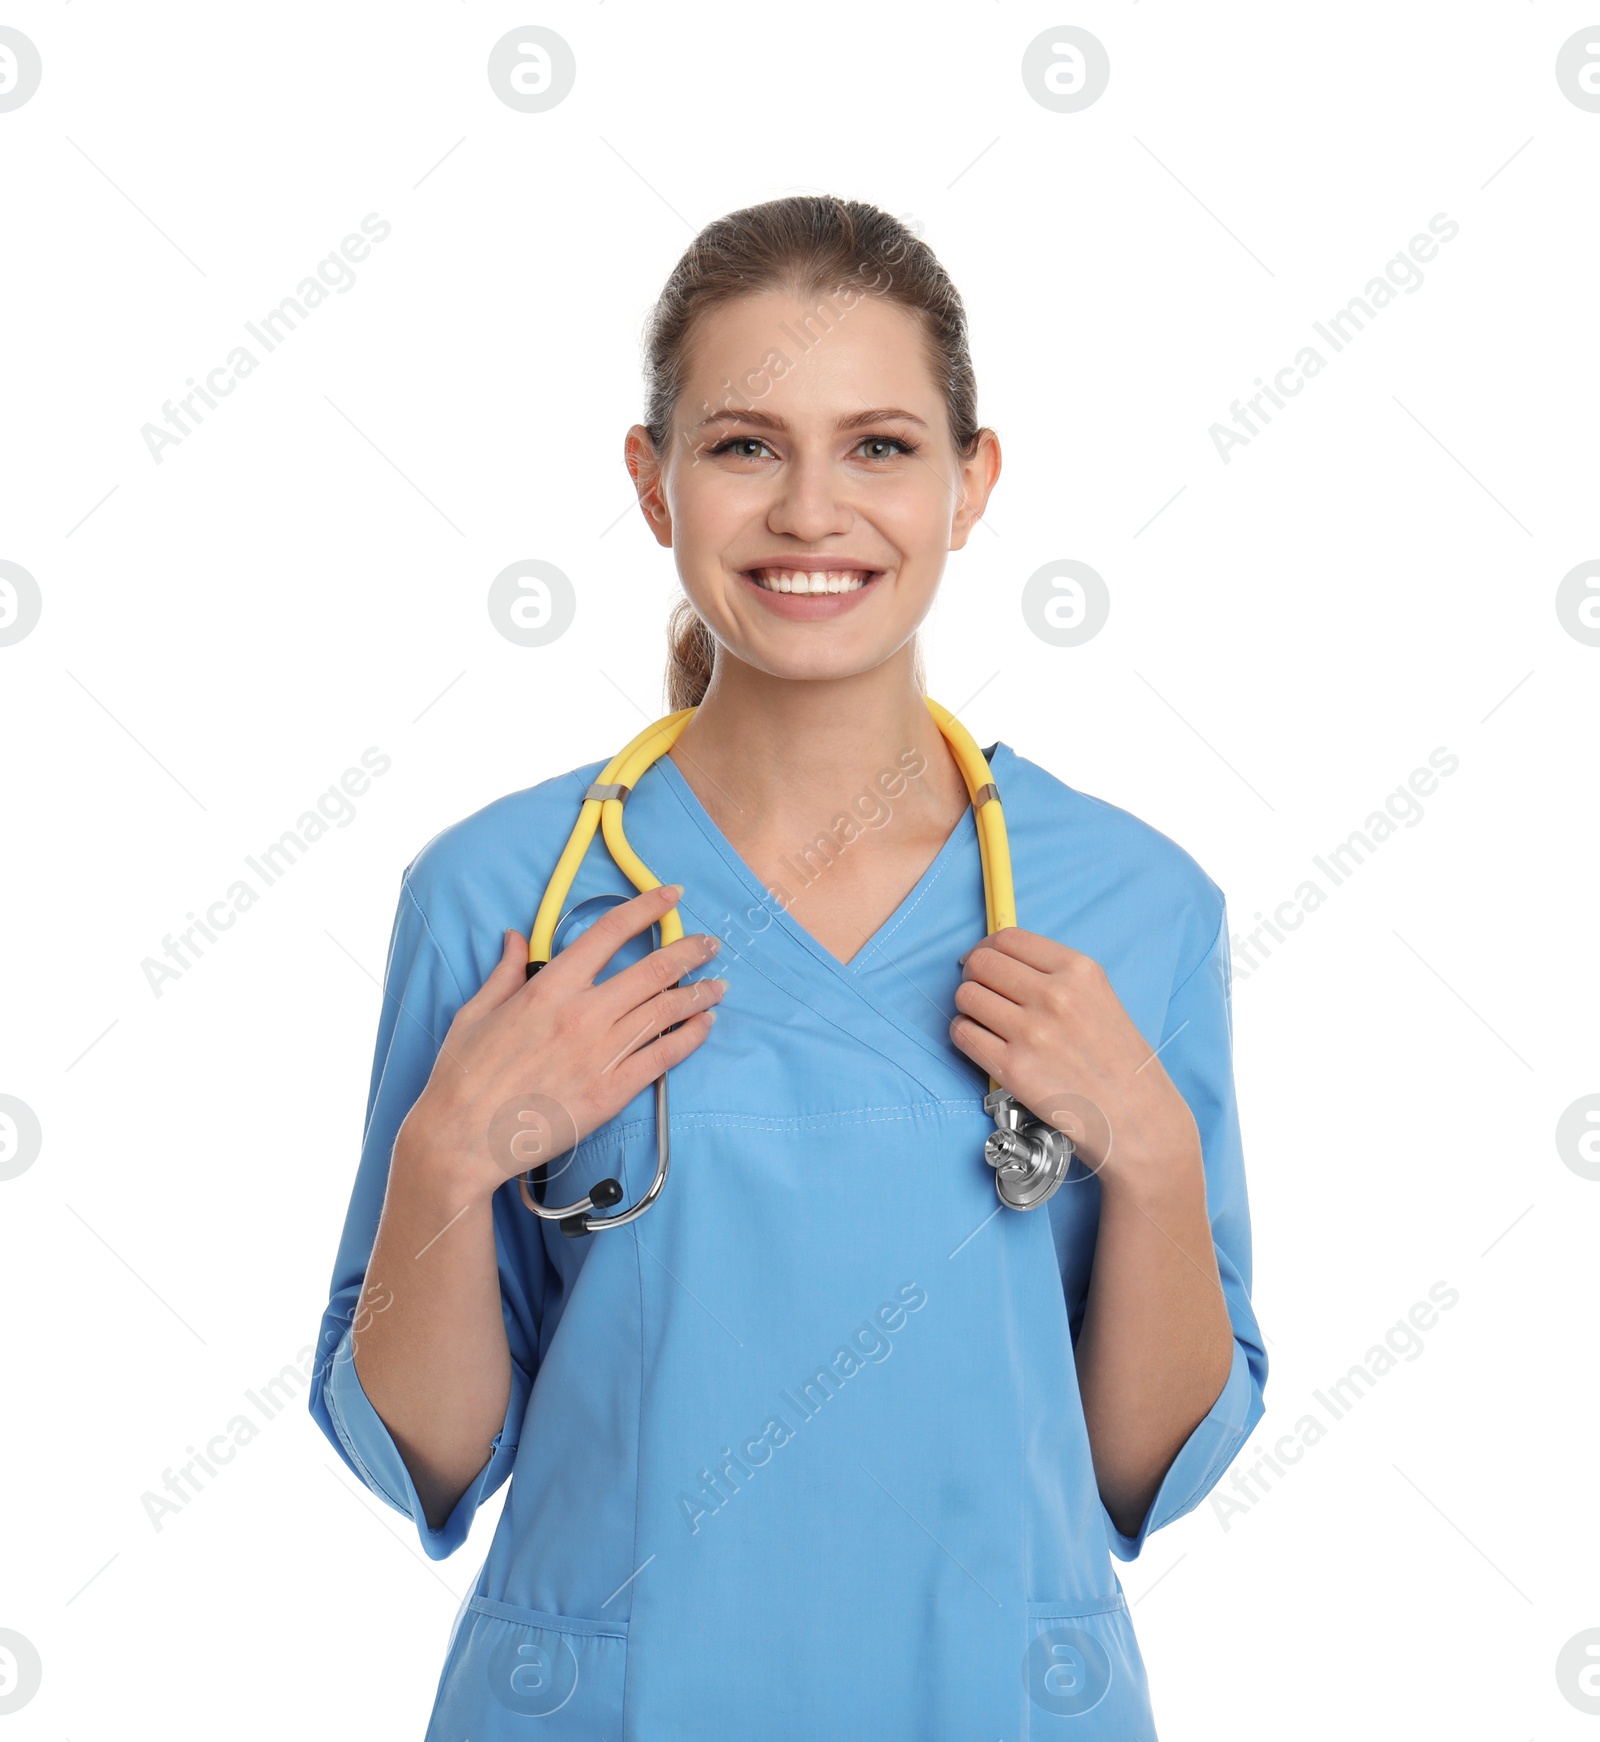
(812, 581)
(807, 593)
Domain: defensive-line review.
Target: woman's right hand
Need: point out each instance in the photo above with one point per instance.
(531, 1066)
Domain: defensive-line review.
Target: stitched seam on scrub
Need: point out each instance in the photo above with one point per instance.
(1206, 957)
(1224, 1455)
(439, 948)
(1202, 1484)
(1046, 1611)
(547, 1622)
(337, 1417)
(1024, 1398)
(628, 1657)
(755, 1122)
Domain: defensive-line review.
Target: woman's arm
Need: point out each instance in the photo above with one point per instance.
(434, 1361)
(1156, 1345)
(429, 1345)
(1155, 1349)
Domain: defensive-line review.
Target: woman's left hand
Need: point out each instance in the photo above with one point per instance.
(1043, 1021)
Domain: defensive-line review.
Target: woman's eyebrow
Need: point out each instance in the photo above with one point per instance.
(770, 420)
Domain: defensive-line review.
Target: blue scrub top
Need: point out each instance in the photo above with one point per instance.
(801, 1453)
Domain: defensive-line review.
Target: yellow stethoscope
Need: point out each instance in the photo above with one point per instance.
(1030, 1158)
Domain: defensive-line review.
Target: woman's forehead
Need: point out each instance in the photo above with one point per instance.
(808, 356)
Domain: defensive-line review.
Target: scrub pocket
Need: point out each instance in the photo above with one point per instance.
(1084, 1674)
(515, 1673)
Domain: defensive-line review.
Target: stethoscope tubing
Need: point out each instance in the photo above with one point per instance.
(1030, 1158)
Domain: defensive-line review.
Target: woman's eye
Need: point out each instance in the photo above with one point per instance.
(884, 447)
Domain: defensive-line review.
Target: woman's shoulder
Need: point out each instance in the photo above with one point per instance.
(502, 847)
(1102, 847)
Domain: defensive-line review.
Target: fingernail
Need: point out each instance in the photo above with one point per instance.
(675, 889)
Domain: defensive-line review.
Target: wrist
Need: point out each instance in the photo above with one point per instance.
(1159, 1173)
(423, 1163)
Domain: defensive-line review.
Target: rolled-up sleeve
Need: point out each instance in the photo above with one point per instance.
(1197, 1051)
(420, 998)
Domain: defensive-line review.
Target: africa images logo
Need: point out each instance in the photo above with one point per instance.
(1402, 273)
(867, 1345)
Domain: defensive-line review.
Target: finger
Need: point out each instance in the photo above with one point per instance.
(587, 954)
(677, 1004)
(1040, 953)
(640, 981)
(635, 1070)
(980, 1044)
(998, 1014)
(641, 1026)
(962, 958)
(991, 965)
(505, 978)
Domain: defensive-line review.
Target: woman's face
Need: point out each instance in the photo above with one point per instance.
(811, 452)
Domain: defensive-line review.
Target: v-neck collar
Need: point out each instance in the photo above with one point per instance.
(963, 835)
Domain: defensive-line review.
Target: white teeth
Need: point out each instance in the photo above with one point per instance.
(819, 581)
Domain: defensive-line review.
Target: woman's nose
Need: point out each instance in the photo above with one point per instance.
(811, 499)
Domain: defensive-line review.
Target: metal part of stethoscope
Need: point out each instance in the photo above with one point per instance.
(1029, 1157)
(576, 1218)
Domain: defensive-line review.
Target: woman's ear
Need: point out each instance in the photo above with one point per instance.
(644, 467)
(975, 479)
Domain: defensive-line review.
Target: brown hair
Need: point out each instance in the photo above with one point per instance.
(815, 245)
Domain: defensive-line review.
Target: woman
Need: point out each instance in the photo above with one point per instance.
(829, 1442)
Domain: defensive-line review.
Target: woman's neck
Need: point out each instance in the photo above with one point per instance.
(775, 760)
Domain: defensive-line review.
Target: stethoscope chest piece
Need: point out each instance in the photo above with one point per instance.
(1030, 1158)
(579, 1217)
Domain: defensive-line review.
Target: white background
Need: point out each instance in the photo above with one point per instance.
(1291, 633)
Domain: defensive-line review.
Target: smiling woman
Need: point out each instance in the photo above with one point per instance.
(867, 256)
(932, 1557)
